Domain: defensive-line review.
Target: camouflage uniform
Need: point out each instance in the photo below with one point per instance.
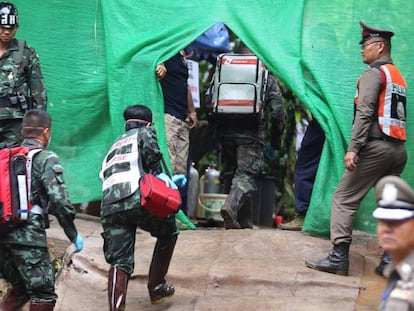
(120, 219)
(243, 146)
(24, 257)
(20, 75)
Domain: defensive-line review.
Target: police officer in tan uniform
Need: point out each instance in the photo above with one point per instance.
(395, 214)
(376, 148)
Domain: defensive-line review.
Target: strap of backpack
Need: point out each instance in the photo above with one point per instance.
(164, 166)
(29, 162)
(18, 55)
(24, 214)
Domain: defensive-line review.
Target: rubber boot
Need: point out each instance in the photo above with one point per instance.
(385, 260)
(158, 289)
(245, 217)
(231, 207)
(337, 261)
(42, 306)
(117, 288)
(14, 300)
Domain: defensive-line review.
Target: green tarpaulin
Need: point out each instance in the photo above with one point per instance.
(99, 57)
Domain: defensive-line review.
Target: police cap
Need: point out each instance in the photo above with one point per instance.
(395, 199)
(369, 32)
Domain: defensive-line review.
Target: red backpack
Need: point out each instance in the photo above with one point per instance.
(15, 182)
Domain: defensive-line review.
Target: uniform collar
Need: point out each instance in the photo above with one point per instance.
(31, 142)
(405, 268)
(381, 61)
(13, 45)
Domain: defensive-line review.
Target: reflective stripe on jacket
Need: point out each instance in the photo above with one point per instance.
(120, 171)
(391, 110)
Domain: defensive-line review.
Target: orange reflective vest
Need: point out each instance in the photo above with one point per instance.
(391, 110)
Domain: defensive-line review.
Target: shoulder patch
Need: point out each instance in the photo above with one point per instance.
(58, 168)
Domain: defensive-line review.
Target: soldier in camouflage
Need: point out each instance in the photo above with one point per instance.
(21, 81)
(242, 146)
(121, 212)
(24, 258)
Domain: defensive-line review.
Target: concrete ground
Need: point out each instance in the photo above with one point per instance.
(217, 269)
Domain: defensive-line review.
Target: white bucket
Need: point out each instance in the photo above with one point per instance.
(209, 205)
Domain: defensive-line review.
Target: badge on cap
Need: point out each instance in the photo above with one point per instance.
(369, 32)
(389, 194)
(8, 20)
(395, 199)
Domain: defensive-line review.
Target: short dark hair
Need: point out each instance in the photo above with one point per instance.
(34, 122)
(135, 115)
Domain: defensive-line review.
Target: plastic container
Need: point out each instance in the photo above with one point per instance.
(210, 204)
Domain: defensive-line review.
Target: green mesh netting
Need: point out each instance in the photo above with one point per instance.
(99, 57)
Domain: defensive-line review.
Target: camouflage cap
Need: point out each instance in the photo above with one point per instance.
(369, 32)
(395, 199)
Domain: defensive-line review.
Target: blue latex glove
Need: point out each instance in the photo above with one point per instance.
(78, 243)
(167, 180)
(179, 179)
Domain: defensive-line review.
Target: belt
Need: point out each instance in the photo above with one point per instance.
(391, 140)
(377, 138)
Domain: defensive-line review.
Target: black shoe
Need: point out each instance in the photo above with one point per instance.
(327, 265)
(161, 292)
(337, 261)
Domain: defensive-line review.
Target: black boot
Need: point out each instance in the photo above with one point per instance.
(117, 288)
(158, 288)
(337, 261)
(42, 306)
(385, 260)
(231, 207)
(14, 300)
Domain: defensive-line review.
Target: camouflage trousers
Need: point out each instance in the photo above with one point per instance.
(178, 141)
(120, 231)
(29, 268)
(245, 159)
(10, 132)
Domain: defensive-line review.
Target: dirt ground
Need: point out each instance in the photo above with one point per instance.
(217, 269)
